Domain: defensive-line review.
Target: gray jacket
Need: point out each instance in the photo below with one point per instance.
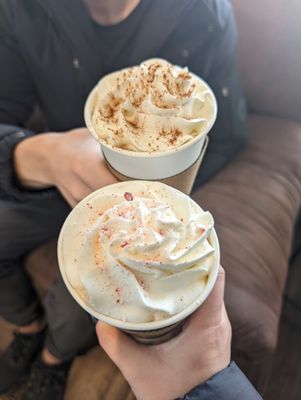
(229, 384)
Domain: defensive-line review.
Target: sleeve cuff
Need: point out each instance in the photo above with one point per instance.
(10, 188)
(228, 384)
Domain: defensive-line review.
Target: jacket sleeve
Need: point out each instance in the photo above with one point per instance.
(17, 92)
(17, 100)
(220, 70)
(229, 384)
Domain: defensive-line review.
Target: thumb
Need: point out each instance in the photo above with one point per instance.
(211, 311)
(118, 346)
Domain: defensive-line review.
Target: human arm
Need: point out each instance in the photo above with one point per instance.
(32, 165)
(195, 363)
(17, 100)
(72, 162)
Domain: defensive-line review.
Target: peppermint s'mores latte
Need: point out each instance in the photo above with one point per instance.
(141, 256)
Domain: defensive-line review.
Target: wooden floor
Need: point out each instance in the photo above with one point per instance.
(93, 376)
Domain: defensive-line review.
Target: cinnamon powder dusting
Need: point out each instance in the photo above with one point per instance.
(109, 109)
(172, 135)
(126, 112)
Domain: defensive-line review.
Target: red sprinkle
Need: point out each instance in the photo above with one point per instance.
(128, 196)
(202, 230)
(124, 244)
(117, 291)
(142, 283)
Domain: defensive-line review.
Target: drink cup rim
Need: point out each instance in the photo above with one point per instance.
(146, 326)
(89, 105)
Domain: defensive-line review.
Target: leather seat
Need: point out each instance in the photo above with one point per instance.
(255, 201)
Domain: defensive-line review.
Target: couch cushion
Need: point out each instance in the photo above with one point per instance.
(270, 47)
(255, 201)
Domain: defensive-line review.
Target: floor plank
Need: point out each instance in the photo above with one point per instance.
(93, 376)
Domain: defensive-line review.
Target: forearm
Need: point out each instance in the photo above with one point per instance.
(229, 384)
(10, 187)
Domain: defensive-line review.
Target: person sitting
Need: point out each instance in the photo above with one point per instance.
(52, 54)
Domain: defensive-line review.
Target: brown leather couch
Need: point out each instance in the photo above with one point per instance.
(256, 199)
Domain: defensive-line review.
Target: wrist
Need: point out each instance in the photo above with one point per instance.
(207, 369)
(202, 385)
(216, 358)
(32, 160)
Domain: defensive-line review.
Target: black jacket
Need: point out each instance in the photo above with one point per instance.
(49, 56)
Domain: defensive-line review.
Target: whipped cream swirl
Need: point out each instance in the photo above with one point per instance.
(153, 107)
(142, 256)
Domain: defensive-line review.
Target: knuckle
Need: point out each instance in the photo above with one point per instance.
(76, 163)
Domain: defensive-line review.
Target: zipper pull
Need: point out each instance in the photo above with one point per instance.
(76, 63)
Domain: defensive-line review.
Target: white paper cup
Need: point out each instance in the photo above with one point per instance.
(153, 332)
(183, 181)
(155, 165)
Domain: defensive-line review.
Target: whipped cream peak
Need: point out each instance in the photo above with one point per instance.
(153, 107)
(142, 252)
